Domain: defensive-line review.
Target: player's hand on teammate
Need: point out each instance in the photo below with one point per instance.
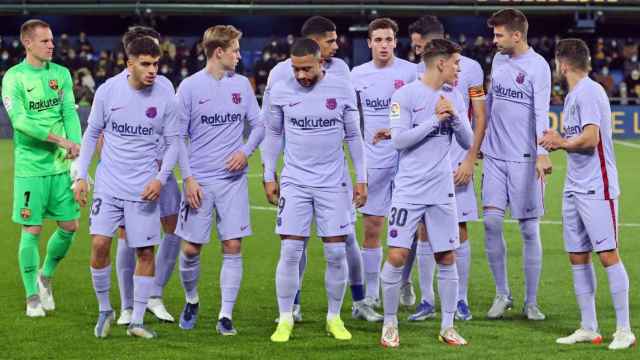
(543, 166)
(73, 149)
(444, 109)
(551, 140)
(193, 192)
(80, 191)
(381, 134)
(360, 195)
(237, 161)
(464, 172)
(152, 190)
(272, 190)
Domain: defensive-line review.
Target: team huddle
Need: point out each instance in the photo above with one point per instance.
(414, 134)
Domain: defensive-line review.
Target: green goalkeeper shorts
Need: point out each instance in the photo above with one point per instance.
(36, 198)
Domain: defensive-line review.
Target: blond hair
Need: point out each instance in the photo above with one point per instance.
(219, 36)
(29, 26)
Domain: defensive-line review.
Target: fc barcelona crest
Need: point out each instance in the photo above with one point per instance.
(331, 103)
(151, 112)
(25, 213)
(520, 78)
(236, 98)
(53, 84)
(397, 84)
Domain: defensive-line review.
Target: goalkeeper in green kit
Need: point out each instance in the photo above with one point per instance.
(38, 96)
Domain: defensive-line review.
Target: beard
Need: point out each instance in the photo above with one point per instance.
(308, 82)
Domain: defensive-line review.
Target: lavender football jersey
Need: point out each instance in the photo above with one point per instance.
(374, 87)
(424, 173)
(132, 121)
(518, 107)
(162, 81)
(593, 175)
(314, 123)
(470, 85)
(212, 115)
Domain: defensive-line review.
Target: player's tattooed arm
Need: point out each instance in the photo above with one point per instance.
(464, 173)
(271, 149)
(95, 126)
(353, 138)
(586, 142)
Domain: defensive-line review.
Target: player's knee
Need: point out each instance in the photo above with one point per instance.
(145, 255)
(190, 249)
(231, 247)
(69, 226)
(529, 229)
(493, 219)
(609, 258)
(169, 224)
(100, 248)
(33, 230)
(334, 239)
(579, 258)
(397, 256)
(291, 251)
(445, 258)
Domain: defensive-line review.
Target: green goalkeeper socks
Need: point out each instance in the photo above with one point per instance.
(57, 248)
(29, 260)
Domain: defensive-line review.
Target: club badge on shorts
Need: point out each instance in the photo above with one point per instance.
(25, 213)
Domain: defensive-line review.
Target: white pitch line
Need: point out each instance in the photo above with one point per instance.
(510, 221)
(626, 143)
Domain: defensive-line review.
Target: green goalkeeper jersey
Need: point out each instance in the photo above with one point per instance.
(40, 102)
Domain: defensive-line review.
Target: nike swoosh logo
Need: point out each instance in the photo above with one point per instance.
(243, 228)
(203, 101)
(529, 209)
(418, 109)
(29, 90)
(451, 241)
(294, 104)
(117, 108)
(344, 226)
(465, 213)
(601, 241)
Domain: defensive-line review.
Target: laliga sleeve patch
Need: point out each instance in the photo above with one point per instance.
(7, 103)
(394, 112)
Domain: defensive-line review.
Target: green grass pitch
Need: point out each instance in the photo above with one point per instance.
(67, 333)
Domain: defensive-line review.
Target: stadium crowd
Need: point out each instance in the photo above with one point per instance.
(615, 62)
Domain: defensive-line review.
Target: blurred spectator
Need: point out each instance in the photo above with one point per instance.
(615, 61)
(633, 83)
(606, 80)
(83, 43)
(344, 49)
(261, 71)
(168, 48)
(622, 90)
(63, 45)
